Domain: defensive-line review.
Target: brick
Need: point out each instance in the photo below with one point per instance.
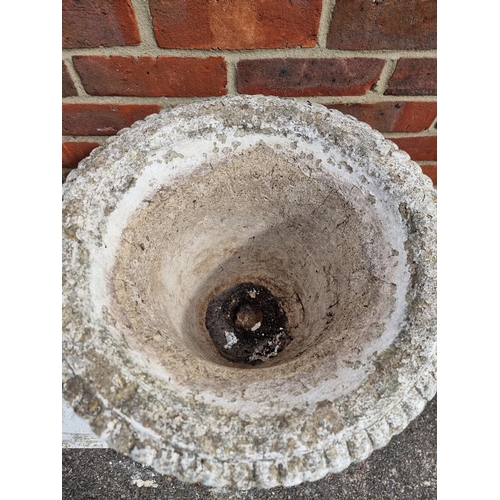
(103, 119)
(379, 24)
(68, 87)
(420, 148)
(308, 77)
(74, 152)
(155, 77)
(414, 77)
(232, 24)
(95, 23)
(403, 116)
(431, 172)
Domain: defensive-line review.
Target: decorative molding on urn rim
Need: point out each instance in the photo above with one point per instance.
(291, 419)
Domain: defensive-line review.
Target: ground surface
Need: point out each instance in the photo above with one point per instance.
(403, 470)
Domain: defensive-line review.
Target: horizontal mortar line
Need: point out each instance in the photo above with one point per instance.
(399, 135)
(369, 98)
(86, 138)
(426, 162)
(297, 53)
(131, 100)
(318, 52)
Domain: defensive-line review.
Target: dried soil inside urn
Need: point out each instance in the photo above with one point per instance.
(247, 324)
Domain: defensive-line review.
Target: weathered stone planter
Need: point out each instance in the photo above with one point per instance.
(310, 241)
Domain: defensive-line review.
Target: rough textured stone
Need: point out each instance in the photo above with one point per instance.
(317, 207)
(228, 24)
(380, 24)
(149, 76)
(103, 119)
(398, 116)
(414, 77)
(68, 87)
(95, 23)
(308, 77)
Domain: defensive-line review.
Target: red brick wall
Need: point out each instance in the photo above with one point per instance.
(373, 59)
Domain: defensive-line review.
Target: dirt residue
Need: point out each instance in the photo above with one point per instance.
(247, 324)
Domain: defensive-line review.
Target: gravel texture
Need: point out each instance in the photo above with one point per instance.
(404, 469)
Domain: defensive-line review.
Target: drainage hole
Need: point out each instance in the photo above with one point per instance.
(247, 324)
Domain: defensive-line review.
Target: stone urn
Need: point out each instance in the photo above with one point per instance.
(249, 291)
